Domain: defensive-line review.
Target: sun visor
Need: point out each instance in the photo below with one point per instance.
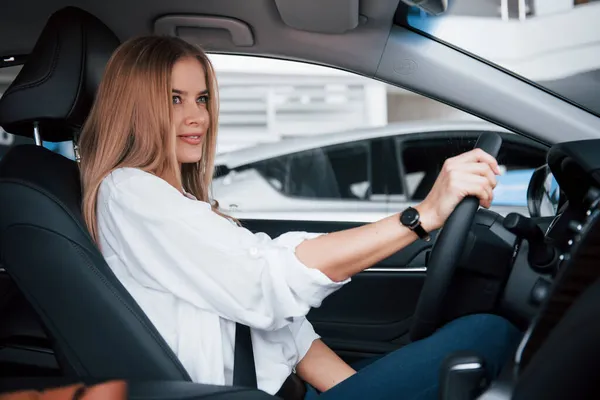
(322, 16)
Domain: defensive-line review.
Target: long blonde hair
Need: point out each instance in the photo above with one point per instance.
(130, 122)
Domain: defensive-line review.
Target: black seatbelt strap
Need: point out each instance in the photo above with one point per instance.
(244, 371)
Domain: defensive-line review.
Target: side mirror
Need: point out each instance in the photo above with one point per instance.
(543, 193)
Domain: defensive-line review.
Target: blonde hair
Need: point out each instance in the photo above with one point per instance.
(130, 122)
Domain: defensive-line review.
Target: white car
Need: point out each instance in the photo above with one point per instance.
(362, 175)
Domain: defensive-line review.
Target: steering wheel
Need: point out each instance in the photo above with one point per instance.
(446, 252)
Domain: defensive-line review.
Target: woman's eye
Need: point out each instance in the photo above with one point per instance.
(203, 99)
(176, 100)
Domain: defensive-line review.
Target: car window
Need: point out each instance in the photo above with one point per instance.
(8, 140)
(423, 157)
(333, 172)
(299, 141)
(553, 43)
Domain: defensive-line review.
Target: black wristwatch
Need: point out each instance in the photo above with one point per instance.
(412, 220)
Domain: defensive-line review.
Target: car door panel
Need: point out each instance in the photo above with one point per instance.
(412, 257)
(374, 306)
(372, 313)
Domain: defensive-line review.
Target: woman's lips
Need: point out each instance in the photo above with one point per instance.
(193, 140)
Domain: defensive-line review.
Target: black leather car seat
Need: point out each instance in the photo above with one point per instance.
(96, 327)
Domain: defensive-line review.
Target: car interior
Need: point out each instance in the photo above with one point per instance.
(65, 318)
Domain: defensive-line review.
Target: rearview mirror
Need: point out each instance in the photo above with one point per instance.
(543, 193)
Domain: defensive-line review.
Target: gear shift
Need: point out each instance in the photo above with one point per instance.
(462, 376)
(541, 256)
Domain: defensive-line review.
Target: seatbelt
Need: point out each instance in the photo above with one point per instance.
(244, 371)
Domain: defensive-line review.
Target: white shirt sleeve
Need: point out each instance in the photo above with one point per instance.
(304, 336)
(178, 245)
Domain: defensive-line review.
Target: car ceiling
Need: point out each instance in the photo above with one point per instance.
(358, 49)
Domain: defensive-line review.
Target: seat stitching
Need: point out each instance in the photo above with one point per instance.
(44, 79)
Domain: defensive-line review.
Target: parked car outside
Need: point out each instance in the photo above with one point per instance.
(365, 174)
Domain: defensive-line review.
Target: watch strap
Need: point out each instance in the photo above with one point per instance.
(421, 232)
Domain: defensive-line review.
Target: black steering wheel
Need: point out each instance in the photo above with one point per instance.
(446, 252)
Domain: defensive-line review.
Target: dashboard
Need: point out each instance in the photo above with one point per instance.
(550, 346)
(576, 168)
(573, 234)
(569, 185)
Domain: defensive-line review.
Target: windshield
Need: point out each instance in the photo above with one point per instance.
(555, 43)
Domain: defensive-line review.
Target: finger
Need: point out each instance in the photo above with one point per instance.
(478, 155)
(481, 169)
(472, 185)
(472, 174)
(489, 198)
(483, 194)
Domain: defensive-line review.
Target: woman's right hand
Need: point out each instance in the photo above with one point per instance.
(469, 174)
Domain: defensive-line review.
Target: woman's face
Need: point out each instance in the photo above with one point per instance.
(190, 112)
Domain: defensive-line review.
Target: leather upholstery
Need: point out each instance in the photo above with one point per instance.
(97, 328)
(57, 84)
(47, 170)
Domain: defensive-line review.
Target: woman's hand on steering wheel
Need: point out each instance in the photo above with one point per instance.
(469, 174)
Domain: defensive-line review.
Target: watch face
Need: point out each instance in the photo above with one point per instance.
(409, 217)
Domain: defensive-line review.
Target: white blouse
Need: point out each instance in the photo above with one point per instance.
(194, 273)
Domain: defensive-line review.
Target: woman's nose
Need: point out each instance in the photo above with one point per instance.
(196, 115)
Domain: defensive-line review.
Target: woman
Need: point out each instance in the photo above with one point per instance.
(148, 151)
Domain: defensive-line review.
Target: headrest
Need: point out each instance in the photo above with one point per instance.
(57, 84)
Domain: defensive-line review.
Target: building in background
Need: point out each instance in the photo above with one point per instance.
(266, 100)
